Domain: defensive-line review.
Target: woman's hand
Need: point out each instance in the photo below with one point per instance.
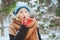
(17, 20)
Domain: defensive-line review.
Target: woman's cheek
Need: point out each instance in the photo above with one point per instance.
(27, 16)
(18, 16)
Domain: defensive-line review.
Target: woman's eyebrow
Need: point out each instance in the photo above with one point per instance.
(20, 10)
(25, 10)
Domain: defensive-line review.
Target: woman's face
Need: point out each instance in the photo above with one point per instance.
(23, 13)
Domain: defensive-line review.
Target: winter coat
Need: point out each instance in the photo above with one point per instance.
(22, 31)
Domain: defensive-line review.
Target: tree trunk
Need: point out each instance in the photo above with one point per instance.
(2, 27)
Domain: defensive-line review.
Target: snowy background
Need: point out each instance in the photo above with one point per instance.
(45, 14)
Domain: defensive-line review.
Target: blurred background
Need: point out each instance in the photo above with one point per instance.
(47, 14)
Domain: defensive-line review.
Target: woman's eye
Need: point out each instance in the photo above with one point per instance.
(26, 12)
(21, 12)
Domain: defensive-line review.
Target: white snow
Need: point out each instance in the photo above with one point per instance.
(54, 1)
(6, 35)
(0, 2)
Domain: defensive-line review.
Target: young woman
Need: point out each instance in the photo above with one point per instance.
(23, 27)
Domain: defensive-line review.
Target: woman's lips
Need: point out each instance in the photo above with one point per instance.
(24, 17)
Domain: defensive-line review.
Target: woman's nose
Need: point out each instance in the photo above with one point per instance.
(24, 16)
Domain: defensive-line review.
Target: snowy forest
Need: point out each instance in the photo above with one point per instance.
(47, 13)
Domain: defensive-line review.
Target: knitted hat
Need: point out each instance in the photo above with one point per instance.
(20, 5)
